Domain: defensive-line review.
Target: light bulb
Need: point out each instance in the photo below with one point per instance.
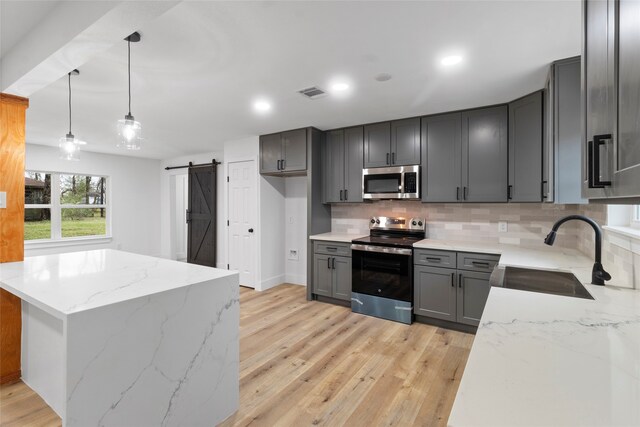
(129, 131)
(69, 147)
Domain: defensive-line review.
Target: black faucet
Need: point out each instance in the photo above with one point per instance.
(598, 274)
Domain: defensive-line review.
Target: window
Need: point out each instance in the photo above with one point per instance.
(61, 206)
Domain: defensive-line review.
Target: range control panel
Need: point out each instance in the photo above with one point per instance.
(395, 223)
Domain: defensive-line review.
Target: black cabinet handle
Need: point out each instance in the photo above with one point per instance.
(453, 279)
(393, 158)
(331, 248)
(482, 264)
(457, 193)
(279, 167)
(345, 195)
(459, 280)
(509, 191)
(329, 262)
(543, 193)
(333, 263)
(188, 216)
(464, 193)
(594, 163)
(282, 164)
(434, 259)
(341, 194)
(387, 158)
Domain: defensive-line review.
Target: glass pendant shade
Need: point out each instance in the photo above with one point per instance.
(69, 147)
(129, 133)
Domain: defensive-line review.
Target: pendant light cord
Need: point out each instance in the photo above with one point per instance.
(69, 102)
(129, 69)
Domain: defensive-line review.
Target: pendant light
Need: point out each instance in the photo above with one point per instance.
(130, 130)
(69, 145)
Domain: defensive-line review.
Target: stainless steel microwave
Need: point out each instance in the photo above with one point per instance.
(397, 182)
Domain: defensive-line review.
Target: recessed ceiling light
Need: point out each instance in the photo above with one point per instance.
(383, 77)
(261, 106)
(451, 60)
(339, 87)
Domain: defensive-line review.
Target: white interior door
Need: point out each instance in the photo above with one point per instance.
(243, 213)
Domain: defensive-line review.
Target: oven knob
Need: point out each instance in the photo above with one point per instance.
(413, 223)
(373, 221)
(420, 223)
(377, 221)
(379, 290)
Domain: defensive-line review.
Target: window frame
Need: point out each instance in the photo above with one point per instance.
(55, 208)
(634, 221)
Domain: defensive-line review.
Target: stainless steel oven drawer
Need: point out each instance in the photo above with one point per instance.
(384, 308)
(433, 258)
(332, 248)
(477, 262)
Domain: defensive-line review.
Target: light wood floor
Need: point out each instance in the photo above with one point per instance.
(309, 363)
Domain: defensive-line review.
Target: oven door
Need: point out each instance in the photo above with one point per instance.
(382, 271)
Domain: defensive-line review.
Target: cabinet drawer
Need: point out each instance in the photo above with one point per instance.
(477, 262)
(434, 258)
(332, 248)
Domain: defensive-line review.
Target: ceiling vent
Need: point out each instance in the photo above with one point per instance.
(313, 92)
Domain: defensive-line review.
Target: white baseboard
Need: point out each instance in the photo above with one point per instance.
(296, 279)
(271, 282)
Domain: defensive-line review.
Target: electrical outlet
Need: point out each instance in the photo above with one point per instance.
(3, 199)
(502, 226)
(293, 254)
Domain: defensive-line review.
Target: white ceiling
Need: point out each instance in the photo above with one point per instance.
(201, 64)
(17, 17)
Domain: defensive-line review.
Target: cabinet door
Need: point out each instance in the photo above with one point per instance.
(405, 142)
(598, 80)
(294, 147)
(441, 158)
(334, 167)
(548, 172)
(353, 160)
(473, 291)
(377, 145)
(627, 176)
(434, 292)
(270, 153)
(484, 155)
(525, 149)
(341, 278)
(322, 275)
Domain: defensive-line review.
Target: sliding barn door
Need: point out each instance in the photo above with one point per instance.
(201, 216)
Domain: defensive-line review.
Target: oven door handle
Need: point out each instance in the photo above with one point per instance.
(381, 249)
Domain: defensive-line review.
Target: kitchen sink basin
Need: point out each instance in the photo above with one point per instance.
(543, 281)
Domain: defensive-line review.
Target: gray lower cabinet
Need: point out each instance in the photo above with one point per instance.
(434, 292)
(473, 291)
(343, 159)
(284, 152)
(525, 149)
(442, 158)
(457, 291)
(395, 143)
(332, 270)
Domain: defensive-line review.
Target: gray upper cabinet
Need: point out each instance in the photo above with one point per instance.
(484, 155)
(284, 153)
(395, 143)
(343, 161)
(435, 292)
(473, 292)
(442, 158)
(525, 149)
(270, 153)
(377, 145)
(611, 93)
(562, 151)
(294, 148)
(405, 142)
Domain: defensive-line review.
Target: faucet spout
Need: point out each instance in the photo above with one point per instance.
(598, 274)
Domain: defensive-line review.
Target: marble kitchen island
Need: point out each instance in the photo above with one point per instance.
(113, 338)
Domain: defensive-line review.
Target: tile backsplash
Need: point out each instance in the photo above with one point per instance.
(528, 223)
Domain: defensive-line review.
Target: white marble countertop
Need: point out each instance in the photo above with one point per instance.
(337, 237)
(63, 284)
(545, 360)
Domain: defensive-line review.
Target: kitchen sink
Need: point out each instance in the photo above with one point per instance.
(544, 281)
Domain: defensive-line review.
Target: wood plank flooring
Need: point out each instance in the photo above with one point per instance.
(309, 363)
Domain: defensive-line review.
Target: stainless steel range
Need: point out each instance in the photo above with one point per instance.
(382, 280)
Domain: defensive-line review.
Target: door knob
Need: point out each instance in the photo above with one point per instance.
(251, 230)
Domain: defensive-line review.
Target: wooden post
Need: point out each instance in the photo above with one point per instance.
(12, 154)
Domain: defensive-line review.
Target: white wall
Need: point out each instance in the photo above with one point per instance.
(273, 232)
(296, 229)
(134, 197)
